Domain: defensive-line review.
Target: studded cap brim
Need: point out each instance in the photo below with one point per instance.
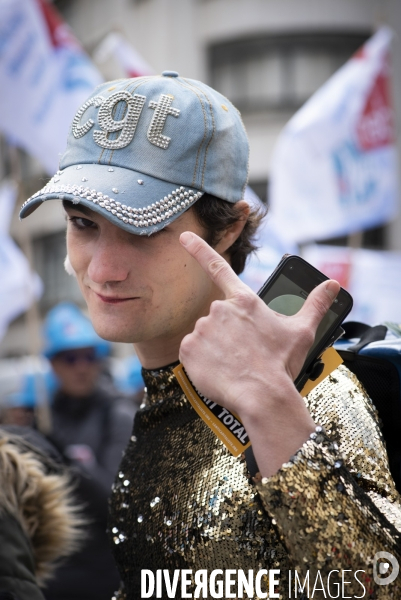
(136, 202)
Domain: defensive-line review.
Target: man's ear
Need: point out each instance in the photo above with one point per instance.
(232, 232)
(68, 266)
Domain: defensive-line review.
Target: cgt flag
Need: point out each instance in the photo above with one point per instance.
(44, 77)
(334, 169)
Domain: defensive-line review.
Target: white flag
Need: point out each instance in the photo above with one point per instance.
(19, 287)
(131, 63)
(334, 170)
(44, 78)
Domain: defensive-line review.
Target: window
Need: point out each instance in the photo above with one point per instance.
(278, 71)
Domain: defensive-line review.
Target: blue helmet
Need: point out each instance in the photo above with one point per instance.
(67, 328)
(30, 389)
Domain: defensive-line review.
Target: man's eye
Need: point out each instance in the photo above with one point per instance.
(81, 223)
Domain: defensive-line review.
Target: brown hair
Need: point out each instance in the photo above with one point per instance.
(216, 215)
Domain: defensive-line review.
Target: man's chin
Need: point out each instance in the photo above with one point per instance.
(116, 324)
(115, 333)
(116, 336)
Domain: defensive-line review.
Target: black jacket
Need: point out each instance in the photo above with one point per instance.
(17, 567)
(98, 422)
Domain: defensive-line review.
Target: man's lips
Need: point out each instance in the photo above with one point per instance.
(114, 299)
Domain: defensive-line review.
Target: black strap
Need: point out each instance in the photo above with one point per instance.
(251, 462)
(365, 333)
(355, 329)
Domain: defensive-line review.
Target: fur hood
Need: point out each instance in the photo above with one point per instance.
(39, 495)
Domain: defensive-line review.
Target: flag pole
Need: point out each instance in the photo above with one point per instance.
(32, 315)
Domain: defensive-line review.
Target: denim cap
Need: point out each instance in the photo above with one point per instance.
(141, 151)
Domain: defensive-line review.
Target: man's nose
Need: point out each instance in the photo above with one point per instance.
(108, 263)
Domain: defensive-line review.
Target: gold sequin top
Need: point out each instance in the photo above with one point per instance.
(182, 501)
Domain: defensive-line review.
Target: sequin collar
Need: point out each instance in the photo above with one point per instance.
(160, 384)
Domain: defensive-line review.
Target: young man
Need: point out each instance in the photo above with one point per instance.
(154, 169)
(90, 429)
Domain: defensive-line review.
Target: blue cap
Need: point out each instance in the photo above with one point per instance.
(66, 328)
(141, 151)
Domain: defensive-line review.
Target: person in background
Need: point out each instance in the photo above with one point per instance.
(27, 394)
(39, 520)
(90, 429)
(18, 408)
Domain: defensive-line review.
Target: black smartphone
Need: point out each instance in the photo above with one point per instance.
(286, 291)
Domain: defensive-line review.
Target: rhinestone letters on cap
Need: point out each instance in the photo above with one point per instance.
(162, 109)
(80, 130)
(127, 125)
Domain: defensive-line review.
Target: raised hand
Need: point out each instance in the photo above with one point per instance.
(245, 357)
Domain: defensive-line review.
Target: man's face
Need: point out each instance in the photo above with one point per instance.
(77, 371)
(138, 289)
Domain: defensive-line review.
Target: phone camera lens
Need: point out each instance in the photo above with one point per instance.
(291, 267)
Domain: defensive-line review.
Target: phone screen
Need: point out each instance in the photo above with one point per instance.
(287, 298)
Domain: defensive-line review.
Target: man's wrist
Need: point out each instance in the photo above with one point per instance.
(278, 423)
(267, 398)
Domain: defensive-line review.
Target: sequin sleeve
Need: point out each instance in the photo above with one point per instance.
(334, 504)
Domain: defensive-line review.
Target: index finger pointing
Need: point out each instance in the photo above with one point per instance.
(212, 263)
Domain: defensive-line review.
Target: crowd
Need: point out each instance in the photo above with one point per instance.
(90, 424)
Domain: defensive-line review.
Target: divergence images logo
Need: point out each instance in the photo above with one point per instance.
(381, 567)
